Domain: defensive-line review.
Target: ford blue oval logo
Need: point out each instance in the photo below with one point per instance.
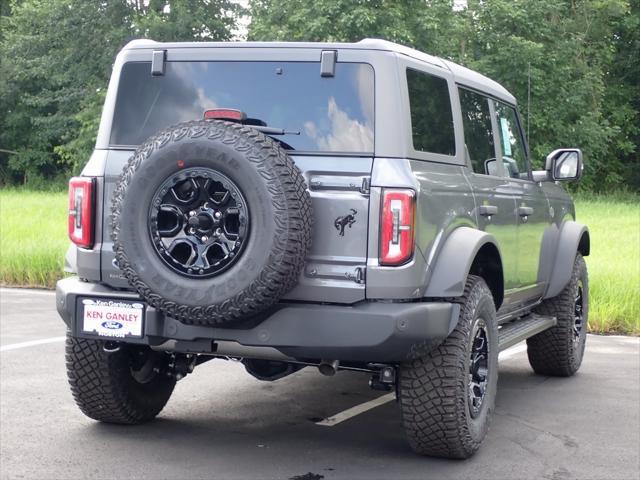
(111, 325)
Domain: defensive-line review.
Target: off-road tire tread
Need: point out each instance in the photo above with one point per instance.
(432, 392)
(551, 352)
(100, 385)
(290, 200)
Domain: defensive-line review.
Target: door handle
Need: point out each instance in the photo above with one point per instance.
(525, 211)
(487, 210)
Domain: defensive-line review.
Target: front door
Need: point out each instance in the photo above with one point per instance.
(532, 207)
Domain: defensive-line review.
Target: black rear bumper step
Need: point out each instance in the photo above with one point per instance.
(518, 330)
(367, 331)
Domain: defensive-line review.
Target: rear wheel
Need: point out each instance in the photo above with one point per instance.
(558, 351)
(447, 396)
(127, 386)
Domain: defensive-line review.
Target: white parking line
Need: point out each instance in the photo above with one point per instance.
(510, 352)
(26, 291)
(32, 343)
(357, 410)
(376, 402)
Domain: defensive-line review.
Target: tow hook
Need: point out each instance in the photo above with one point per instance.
(384, 379)
(181, 365)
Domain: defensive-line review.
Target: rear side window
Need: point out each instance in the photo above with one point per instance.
(431, 117)
(334, 114)
(478, 133)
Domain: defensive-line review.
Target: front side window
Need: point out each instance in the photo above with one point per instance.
(322, 114)
(431, 115)
(511, 142)
(478, 134)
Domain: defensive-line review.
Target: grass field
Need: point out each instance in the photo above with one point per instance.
(33, 240)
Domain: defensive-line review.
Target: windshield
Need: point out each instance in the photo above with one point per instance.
(332, 114)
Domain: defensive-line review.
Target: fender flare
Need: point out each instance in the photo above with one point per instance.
(573, 238)
(454, 262)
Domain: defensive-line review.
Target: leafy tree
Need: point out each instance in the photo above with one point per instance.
(581, 56)
(56, 61)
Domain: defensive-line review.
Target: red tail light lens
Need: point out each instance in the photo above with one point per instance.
(398, 226)
(81, 209)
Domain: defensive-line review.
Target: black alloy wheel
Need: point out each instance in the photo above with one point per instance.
(199, 222)
(578, 313)
(478, 366)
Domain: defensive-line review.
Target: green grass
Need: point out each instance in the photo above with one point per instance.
(33, 237)
(33, 240)
(614, 262)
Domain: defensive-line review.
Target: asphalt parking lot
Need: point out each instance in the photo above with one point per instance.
(222, 423)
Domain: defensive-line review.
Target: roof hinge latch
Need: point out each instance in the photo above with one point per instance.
(158, 59)
(328, 60)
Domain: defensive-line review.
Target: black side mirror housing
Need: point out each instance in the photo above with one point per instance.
(563, 164)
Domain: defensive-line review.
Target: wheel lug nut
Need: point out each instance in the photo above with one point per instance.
(217, 214)
(204, 238)
(192, 213)
(192, 230)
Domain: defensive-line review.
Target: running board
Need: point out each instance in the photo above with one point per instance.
(514, 332)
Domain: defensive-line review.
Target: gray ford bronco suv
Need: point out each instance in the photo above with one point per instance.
(357, 206)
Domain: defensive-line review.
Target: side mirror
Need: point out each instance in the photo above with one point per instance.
(565, 164)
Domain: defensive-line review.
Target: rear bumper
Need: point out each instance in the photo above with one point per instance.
(367, 331)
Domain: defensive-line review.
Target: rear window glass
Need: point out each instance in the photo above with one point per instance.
(431, 117)
(332, 114)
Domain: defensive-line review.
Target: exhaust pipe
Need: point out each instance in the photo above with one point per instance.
(111, 347)
(328, 367)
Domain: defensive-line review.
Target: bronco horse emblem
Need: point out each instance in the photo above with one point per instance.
(346, 221)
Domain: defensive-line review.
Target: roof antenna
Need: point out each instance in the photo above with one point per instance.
(528, 100)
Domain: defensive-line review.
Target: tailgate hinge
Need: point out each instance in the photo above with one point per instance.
(359, 275)
(365, 188)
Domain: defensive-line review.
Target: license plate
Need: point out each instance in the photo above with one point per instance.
(112, 318)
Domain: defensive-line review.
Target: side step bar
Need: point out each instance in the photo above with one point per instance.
(514, 332)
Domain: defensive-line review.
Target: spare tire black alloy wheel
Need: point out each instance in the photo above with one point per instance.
(211, 222)
(199, 222)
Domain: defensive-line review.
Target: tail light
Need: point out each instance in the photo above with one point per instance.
(398, 226)
(81, 210)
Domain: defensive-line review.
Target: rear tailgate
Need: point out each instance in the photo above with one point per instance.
(335, 268)
(326, 122)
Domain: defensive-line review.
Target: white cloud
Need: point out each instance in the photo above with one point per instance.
(346, 135)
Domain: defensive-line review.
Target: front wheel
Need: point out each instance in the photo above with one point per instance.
(558, 351)
(447, 395)
(127, 386)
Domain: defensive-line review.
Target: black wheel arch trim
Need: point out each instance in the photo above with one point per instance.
(573, 238)
(463, 249)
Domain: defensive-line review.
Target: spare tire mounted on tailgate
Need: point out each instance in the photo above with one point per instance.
(211, 222)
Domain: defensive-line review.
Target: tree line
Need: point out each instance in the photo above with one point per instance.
(572, 64)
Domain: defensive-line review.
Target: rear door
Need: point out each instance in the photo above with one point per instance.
(495, 200)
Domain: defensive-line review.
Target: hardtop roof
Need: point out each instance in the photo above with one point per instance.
(462, 75)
